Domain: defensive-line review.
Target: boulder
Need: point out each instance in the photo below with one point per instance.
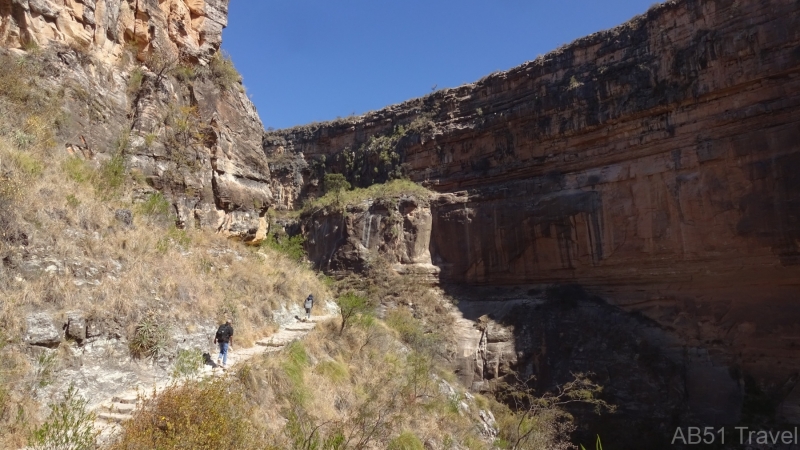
(76, 325)
(125, 216)
(41, 331)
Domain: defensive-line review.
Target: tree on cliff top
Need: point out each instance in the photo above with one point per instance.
(335, 183)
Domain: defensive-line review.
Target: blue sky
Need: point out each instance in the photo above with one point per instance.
(314, 60)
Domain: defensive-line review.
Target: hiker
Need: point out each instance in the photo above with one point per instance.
(224, 338)
(309, 304)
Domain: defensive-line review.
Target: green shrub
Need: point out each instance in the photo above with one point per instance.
(291, 246)
(529, 421)
(223, 72)
(44, 370)
(386, 191)
(335, 371)
(184, 73)
(294, 365)
(352, 305)
(203, 415)
(188, 363)
(413, 331)
(150, 338)
(304, 434)
(111, 176)
(597, 445)
(135, 81)
(175, 236)
(70, 426)
(156, 205)
(334, 184)
(77, 170)
(406, 441)
(28, 164)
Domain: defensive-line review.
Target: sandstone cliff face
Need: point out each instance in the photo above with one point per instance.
(397, 229)
(141, 78)
(190, 27)
(655, 163)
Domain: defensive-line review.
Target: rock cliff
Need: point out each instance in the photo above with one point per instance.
(351, 238)
(145, 78)
(655, 163)
(192, 28)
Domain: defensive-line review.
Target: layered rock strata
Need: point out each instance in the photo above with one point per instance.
(655, 163)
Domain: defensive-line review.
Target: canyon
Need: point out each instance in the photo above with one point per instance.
(626, 205)
(654, 164)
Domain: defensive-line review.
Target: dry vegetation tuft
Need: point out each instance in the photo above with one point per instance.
(389, 190)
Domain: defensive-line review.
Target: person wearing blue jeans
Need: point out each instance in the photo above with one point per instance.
(224, 338)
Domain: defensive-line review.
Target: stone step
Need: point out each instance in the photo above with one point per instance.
(131, 400)
(115, 407)
(299, 328)
(113, 417)
(120, 408)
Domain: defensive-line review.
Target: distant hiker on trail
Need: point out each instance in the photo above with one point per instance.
(224, 338)
(309, 305)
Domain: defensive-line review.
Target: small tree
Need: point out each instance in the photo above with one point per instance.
(350, 305)
(336, 183)
(70, 426)
(541, 421)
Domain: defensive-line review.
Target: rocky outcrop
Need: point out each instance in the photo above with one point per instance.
(200, 143)
(144, 79)
(41, 331)
(655, 163)
(353, 237)
(191, 28)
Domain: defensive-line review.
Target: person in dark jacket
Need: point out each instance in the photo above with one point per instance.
(224, 338)
(309, 304)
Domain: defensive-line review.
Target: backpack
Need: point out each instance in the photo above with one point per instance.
(224, 333)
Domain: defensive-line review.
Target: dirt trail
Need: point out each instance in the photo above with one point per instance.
(112, 412)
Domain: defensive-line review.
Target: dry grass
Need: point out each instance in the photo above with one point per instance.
(148, 265)
(62, 249)
(210, 414)
(403, 296)
(363, 388)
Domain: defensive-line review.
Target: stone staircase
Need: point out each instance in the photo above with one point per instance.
(116, 410)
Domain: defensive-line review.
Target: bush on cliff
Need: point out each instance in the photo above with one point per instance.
(387, 191)
(70, 426)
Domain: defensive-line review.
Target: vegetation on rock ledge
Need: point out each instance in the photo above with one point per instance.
(386, 191)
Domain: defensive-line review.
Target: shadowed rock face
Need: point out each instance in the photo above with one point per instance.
(653, 379)
(657, 164)
(397, 229)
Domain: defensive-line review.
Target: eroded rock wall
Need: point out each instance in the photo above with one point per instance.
(140, 77)
(192, 28)
(655, 163)
(352, 238)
